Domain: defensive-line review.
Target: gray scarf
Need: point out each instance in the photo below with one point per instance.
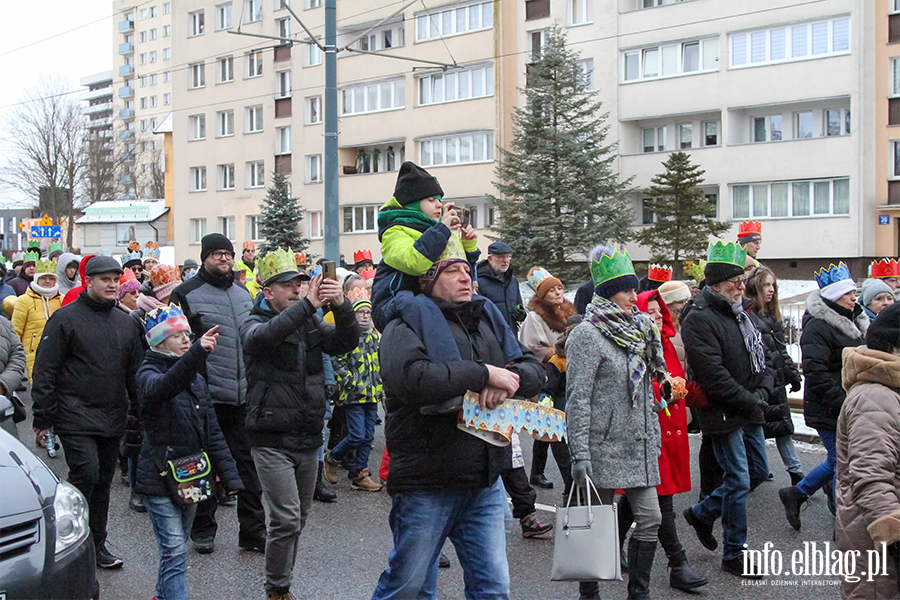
(752, 338)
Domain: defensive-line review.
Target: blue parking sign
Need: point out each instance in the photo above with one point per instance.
(884, 219)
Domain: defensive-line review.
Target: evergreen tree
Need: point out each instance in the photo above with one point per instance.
(558, 193)
(685, 219)
(279, 219)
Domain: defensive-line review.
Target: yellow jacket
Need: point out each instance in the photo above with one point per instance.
(29, 317)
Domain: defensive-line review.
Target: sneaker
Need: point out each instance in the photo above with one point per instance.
(364, 483)
(735, 566)
(702, 529)
(205, 545)
(532, 527)
(106, 559)
(331, 469)
(792, 499)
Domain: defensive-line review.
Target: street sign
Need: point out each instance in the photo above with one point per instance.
(884, 219)
(45, 231)
(46, 221)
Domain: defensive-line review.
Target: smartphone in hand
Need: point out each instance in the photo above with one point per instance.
(329, 270)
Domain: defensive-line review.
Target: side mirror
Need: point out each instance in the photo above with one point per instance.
(6, 409)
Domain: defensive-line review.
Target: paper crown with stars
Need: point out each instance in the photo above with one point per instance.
(884, 268)
(164, 321)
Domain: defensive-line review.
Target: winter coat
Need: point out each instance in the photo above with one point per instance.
(583, 296)
(826, 332)
(66, 284)
(12, 359)
(178, 419)
(502, 289)
(358, 373)
(678, 343)
(719, 362)
(285, 374)
(429, 452)
(537, 336)
(5, 292)
(208, 301)
(621, 439)
(73, 294)
(29, 318)
(84, 369)
(778, 416)
(20, 283)
(868, 465)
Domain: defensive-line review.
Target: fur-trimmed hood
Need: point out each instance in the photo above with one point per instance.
(816, 307)
(554, 316)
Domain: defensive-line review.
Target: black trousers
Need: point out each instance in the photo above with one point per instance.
(667, 533)
(560, 454)
(711, 473)
(520, 491)
(92, 466)
(250, 513)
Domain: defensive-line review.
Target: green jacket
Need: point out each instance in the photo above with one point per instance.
(358, 373)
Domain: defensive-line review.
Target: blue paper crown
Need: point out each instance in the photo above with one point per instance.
(136, 255)
(316, 270)
(833, 274)
(106, 252)
(161, 314)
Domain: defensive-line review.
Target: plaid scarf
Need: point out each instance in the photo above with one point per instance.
(636, 333)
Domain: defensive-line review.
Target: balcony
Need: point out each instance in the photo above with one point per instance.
(126, 113)
(126, 92)
(98, 108)
(126, 48)
(126, 156)
(126, 26)
(126, 134)
(126, 70)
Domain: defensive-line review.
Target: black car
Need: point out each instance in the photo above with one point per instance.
(46, 549)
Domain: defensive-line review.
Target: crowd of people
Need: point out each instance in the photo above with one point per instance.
(271, 372)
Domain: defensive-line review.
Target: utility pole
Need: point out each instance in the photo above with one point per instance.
(330, 166)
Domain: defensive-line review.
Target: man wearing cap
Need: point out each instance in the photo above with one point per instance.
(497, 283)
(208, 299)
(283, 341)
(84, 376)
(750, 237)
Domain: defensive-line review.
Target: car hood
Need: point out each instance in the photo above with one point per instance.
(28, 484)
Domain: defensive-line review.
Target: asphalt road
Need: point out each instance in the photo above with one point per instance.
(345, 547)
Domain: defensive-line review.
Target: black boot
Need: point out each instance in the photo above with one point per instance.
(682, 576)
(640, 563)
(322, 493)
(588, 590)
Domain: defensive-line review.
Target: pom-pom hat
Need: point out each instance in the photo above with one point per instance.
(612, 271)
(835, 281)
(162, 322)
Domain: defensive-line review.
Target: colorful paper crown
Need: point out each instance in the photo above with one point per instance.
(359, 297)
(661, 273)
(361, 255)
(610, 262)
(2, 260)
(32, 257)
(536, 277)
(17, 256)
(44, 267)
(163, 321)
(367, 274)
(54, 247)
(134, 246)
(34, 245)
(300, 258)
(130, 256)
(315, 270)
(749, 228)
(250, 245)
(697, 271)
(833, 274)
(151, 250)
(127, 276)
(106, 252)
(275, 263)
(163, 275)
(728, 253)
(885, 267)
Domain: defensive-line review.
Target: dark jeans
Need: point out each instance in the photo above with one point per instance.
(92, 466)
(520, 491)
(560, 454)
(710, 472)
(250, 513)
(360, 433)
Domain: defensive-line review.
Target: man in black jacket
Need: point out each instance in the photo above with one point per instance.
(727, 358)
(283, 341)
(497, 283)
(444, 482)
(84, 376)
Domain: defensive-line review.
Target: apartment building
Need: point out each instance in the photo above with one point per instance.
(98, 99)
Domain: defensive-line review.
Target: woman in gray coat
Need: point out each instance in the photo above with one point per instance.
(614, 356)
(12, 367)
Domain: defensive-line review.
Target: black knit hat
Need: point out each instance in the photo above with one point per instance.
(414, 184)
(212, 242)
(884, 331)
(717, 272)
(610, 288)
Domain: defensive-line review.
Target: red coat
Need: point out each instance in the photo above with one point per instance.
(72, 294)
(675, 457)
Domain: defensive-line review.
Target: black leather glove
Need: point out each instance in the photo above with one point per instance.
(762, 398)
(665, 390)
(519, 314)
(795, 386)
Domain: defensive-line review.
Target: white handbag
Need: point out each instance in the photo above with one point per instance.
(586, 544)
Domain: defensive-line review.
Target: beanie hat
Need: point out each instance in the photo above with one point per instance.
(415, 183)
(871, 288)
(612, 271)
(724, 261)
(672, 292)
(835, 281)
(541, 281)
(884, 331)
(164, 279)
(128, 283)
(213, 242)
(452, 254)
(163, 321)
(749, 231)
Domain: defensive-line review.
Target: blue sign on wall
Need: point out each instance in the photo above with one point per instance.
(45, 231)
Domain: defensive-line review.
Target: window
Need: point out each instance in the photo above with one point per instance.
(198, 75)
(144, 102)
(316, 225)
(223, 16)
(307, 4)
(284, 84)
(167, 76)
(225, 123)
(167, 99)
(198, 179)
(226, 227)
(837, 122)
(671, 60)
(685, 136)
(253, 10)
(152, 123)
(225, 72)
(225, 176)
(648, 216)
(767, 129)
(153, 56)
(360, 219)
(654, 139)
(457, 21)
(711, 133)
(153, 79)
(152, 12)
(803, 122)
(143, 37)
(652, 3)
(252, 228)
(456, 85)
(894, 7)
(283, 27)
(143, 124)
(167, 9)
(152, 34)
(143, 58)
(256, 176)
(539, 41)
(197, 127)
(579, 13)
(785, 199)
(167, 54)
(254, 64)
(253, 119)
(153, 101)
(373, 97)
(314, 168)
(196, 23)
(314, 110)
(587, 67)
(283, 140)
(796, 42)
(382, 40)
(143, 81)
(457, 149)
(895, 166)
(198, 230)
(167, 30)
(313, 55)
(143, 14)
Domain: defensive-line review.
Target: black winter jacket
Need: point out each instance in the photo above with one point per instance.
(85, 367)
(778, 415)
(431, 452)
(719, 362)
(827, 330)
(502, 289)
(285, 372)
(179, 420)
(583, 296)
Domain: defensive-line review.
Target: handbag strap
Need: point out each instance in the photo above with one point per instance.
(588, 489)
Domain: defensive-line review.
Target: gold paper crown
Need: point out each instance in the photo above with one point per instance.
(44, 267)
(275, 263)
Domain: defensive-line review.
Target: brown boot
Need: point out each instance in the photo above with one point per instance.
(364, 483)
(331, 469)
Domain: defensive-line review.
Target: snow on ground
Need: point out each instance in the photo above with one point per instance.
(789, 288)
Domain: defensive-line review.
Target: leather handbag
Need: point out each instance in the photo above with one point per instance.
(586, 545)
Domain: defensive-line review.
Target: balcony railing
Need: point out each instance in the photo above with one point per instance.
(126, 134)
(97, 108)
(126, 113)
(126, 26)
(126, 70)
(126, 48)
(126, 92)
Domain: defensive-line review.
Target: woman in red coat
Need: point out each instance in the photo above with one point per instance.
(674, 457)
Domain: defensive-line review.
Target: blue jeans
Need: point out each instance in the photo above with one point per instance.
(742, 455)
(823, 474)
(788, 454)
(360, 433)
(172, 527)
(422, 521)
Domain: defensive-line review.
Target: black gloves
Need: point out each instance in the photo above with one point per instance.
(519, 314)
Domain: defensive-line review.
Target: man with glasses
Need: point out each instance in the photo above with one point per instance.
(497, 283)
(727, 358)
(208, 299)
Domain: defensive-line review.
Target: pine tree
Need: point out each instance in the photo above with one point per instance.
(685, 218)
(558, 193)
(279, 219)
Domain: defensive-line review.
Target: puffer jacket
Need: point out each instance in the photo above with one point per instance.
(20, 282)
(827, 330)
(285, 371)
(208, 301)
(178, 419)
(358, 373)
(66, 284)
(868, 467)
(12, 359)
(502, 289)
(29, 317)
(778, 415)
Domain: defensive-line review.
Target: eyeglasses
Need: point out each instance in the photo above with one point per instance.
(365, 313)
(221, 254)
(741, 281)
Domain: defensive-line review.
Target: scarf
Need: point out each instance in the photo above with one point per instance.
(752, 338)
(407, 217)
(636, 333)
(46, 295)
(148, 303)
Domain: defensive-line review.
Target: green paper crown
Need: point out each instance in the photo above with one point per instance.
(697, 271)
(610, 262)
(730, 253)
(454, 249)
(275, 263)
(32, 257)
(34, 245)
(44, 267)
(54, 247)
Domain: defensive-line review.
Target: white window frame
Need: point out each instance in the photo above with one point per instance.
(310, 4)
(586, 66)
(153, 79)
(255, 174)
(197, 229)
(252, 228)
(579, 12)
(254, 64)
(224, 16)
(153, 56)
(143, 58)
(167, 31)
(311, 118)
(143, 37)
(651, 60)
(224, 176)
(313, 55)
(894, 157)
(167, 54)
(198, 179)
(196, 23)
(788, 33)
(363, 218)
(253, 119)
(227, 227)
(459, 20)
(167, 99)
(428, 149)
(313, 168)
(792, 185)
(225, 123)
(253, 10)
(152, 34)
(351, 96)
(462, 82)
(796, 119)
(283, 84)
(681, 128)
(283, 140)
(660, 139)
(283, 27)
(153, 101)
(197, 78)
(152, 12)
(703, 125)
(225, 69)
(167, 8)
(894, 7)
(315, 227)
(768, 119)
(845, 122)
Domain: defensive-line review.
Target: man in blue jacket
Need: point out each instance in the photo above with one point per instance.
(497, 283)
